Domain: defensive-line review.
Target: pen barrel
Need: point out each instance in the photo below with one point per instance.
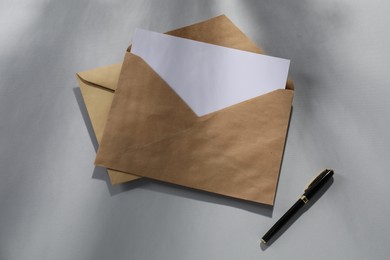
(283, 220)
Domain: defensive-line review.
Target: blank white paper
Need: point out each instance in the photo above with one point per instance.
(209, 77)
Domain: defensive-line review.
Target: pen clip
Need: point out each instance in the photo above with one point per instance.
(318, 177)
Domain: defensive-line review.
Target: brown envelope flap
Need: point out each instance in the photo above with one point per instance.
(176, 143)
(105, 77)
(221, 31)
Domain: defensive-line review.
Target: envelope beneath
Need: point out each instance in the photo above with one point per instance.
(236, 151)
(97, 88)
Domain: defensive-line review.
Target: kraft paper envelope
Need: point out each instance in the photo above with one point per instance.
(151, 132)
(97, 88)
(98, 85)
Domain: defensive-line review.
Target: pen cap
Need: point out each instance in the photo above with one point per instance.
(318, 183)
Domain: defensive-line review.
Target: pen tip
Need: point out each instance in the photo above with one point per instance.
(263, 241)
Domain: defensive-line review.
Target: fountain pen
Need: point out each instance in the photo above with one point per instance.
(314, 186)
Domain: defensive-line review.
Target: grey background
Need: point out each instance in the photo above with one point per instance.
(55, 205)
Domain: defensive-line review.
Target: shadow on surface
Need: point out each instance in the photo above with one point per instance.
(181, 191)
(100, 173)
(84, 114)
(205, 196)
(298, 215)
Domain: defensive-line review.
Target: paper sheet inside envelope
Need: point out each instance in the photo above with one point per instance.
(206, 76)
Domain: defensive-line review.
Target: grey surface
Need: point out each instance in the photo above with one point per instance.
(55, 205)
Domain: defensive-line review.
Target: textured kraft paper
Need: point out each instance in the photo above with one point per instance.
(98, 85)
(151, 132)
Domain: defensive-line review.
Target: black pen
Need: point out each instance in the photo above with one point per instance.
(310, 191)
